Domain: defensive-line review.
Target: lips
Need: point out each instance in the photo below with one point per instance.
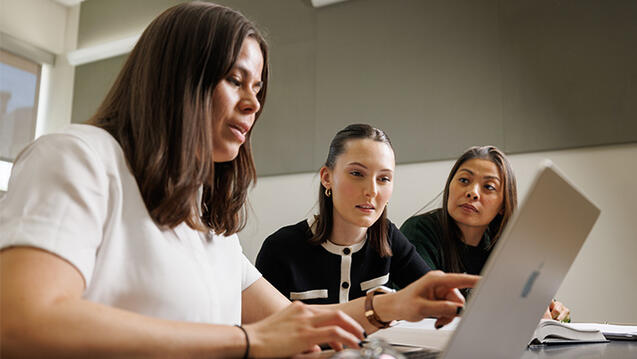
(366, 207)
(469, 207)
(239, 129)
(243, 128)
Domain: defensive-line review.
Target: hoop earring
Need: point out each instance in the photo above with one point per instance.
(328, 192)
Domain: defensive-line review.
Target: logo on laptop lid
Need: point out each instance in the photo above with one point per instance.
(529, 282)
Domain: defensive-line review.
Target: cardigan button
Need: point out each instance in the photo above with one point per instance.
(345, 285)
(347, 251)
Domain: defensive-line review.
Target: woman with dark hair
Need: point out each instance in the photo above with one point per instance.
(479, 198)
(118, 237)
(350, 248)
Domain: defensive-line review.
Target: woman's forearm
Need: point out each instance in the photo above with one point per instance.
(79, 328)
(433, 295)
(384, 306)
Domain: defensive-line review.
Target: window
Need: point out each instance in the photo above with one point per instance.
(19, 88)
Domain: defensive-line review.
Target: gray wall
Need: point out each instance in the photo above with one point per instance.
(92, 82)
(438, 76)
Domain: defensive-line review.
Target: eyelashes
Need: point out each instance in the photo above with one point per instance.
(359, 174)
(488, 187)
(236, 82)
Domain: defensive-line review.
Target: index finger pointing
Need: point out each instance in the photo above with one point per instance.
(458, 280)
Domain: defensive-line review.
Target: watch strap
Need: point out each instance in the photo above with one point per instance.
(370, 313)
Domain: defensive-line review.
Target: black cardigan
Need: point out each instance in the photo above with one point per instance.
(328, 273)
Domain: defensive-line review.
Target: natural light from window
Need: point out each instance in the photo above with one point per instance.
(19, 88)
(18, 103)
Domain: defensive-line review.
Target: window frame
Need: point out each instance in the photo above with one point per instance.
(44, 59)
(30, 66)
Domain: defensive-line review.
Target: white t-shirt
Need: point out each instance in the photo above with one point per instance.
(72, 194)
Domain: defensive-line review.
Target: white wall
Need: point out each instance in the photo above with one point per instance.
(600, 285)
(40, 23)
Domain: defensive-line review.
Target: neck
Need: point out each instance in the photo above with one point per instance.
(345, 233)
(472, 236)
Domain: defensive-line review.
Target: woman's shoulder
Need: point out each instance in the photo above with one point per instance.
(391, 227)
(98, 139)
(66, 153)
(279, 244)
(425, 229)
(289, 235)
(394, 235)
(430, 220)
(77, 142)
(93, 136)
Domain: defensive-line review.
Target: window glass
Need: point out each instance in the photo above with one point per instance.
(19, 85)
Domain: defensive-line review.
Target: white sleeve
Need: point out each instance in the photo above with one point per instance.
(57, 201)
(250, 273)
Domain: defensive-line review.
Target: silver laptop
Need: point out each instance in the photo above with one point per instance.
(525, 269)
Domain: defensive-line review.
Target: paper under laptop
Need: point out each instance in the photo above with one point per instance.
(523, 273)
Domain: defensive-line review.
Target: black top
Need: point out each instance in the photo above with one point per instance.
(328, 273)
(425, 233)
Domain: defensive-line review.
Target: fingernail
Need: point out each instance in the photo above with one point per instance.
(365, 334)
(459, 310)
(360, 344)
(438, 326)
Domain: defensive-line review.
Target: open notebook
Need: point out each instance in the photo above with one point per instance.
(553, 332)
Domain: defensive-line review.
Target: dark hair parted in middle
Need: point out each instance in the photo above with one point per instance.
(377, 233)
(160, 112)
(451, 234)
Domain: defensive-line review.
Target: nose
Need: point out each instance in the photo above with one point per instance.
(472, 193)
(249, 103)
(371, 189)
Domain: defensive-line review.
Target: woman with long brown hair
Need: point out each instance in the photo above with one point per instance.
(349, 248)
(118, 237)
(478, 200)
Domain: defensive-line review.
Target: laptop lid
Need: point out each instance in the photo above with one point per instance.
(525, 269)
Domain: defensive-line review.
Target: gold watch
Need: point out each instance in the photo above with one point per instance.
(370, 313)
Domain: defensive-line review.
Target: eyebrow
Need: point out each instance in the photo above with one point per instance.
(365, 167)
(244, 72)
(485, 177)
(493, 178)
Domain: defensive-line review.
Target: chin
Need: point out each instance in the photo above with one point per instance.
(368, 223)
(226, 155)
(472, 223)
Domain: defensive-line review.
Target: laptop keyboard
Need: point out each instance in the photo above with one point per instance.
(396, 352)
(422, 354)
